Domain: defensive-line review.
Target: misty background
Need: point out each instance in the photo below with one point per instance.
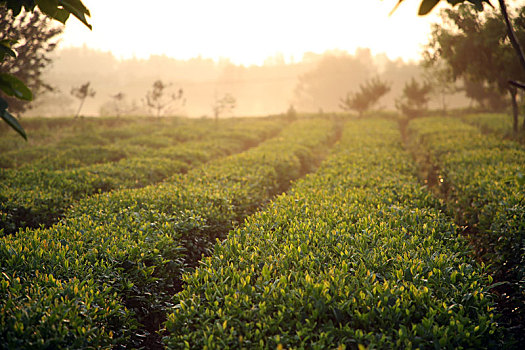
(314, 83)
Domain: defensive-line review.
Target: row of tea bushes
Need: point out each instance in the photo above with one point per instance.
(484, 179)
(47, 136)
(499, 124)
(355, 256)
(117, 257)
(93, 144)
(70, 131)
(34, 197)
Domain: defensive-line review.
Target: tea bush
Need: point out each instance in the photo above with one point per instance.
(499, 124)
(485, 189)
(31, 197)
(357, 255)
(127, 248)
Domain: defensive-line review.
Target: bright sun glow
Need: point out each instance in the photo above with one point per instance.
(249, 31)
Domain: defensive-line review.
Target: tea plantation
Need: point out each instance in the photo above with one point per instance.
(264, 233)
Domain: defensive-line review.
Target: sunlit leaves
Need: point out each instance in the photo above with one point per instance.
(40, 190)
(355, 254)
(484, 175)
(127, 245)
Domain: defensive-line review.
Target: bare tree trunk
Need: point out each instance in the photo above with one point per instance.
(513, 96)
(512, 35)
(80, 107)
(523, 126)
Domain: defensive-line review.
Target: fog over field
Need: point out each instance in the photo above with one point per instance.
(315, 82)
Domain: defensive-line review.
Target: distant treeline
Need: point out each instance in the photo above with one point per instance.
(317, 82)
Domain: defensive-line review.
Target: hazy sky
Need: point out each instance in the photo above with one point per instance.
(249, 31)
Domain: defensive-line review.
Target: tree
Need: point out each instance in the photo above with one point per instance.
(333, 75)
(225, 104)
(117, 106)
(35, 34)
(291, 113)
(427, 5)
(477, 48)
(440, 78)
(59, 10)
(487, 97)
(82, 93)
(158, 101)
(368, 95)
(414, 100)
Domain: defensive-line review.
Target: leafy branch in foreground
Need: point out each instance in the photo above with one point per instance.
(36, 37)
(59, 10)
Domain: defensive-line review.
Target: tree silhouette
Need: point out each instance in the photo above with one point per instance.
(118, 106)
(477, 48)
(158, 101)
(414, 100)
(225, 104)
(440, 77)
(368, 95)
(333, 75)
(82, 93)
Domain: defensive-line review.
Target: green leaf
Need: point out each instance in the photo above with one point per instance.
(49, 7)
(77, 8)
(10, 119)
(5, 49)
(13, 86)
(61, 15)
(427, 6)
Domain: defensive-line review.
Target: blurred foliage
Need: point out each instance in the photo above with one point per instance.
(36, 38)
(414, 100)
(59, 10)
